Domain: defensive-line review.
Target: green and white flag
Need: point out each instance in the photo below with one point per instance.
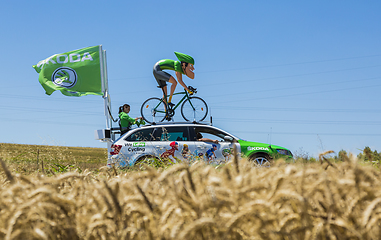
(76, 73)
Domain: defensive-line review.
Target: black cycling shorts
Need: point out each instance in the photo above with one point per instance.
(161, 77)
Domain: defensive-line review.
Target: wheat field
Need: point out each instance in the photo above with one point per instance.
(324, 200)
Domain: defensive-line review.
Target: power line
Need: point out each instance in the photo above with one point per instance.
(85, 124)
(295, 87)
(316, 133)
(50, 99)
(266, 66)
(296, 75)
(290, 64)
(285, 109)
(301, 94)
(297, 121)
(66, 112)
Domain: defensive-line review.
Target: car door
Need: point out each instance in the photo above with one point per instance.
(173, 142)
(213, 152)
(137, 144)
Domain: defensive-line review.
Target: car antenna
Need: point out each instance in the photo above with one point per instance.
(271, 131)
(211, 118)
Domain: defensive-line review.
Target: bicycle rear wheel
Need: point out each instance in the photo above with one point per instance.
(153, 110)
(194, 109)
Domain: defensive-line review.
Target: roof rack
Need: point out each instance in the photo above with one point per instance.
(185, 122)
(171, 123)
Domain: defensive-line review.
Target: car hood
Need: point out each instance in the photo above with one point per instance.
(247, 146)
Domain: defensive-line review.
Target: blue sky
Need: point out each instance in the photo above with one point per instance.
(300, 74)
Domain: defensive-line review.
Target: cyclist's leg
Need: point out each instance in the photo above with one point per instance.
(164, 89)
(173, 87)
(162, 78)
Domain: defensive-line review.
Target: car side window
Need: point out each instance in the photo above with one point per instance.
(171, 134)
(141, 135)
(209, 133)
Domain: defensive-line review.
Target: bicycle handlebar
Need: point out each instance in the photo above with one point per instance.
(194, 90)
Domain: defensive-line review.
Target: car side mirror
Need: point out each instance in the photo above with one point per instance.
(228, 139)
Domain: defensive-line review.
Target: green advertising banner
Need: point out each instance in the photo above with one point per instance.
(76, 73)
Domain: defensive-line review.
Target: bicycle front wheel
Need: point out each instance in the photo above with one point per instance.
(153, 110)
(194, 109)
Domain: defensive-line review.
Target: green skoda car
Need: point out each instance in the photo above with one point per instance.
(188, 142)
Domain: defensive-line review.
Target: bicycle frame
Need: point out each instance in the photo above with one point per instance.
(186, 96)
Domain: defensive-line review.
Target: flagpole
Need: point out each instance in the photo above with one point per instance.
(106, 97)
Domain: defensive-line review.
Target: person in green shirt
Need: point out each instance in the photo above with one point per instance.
(126, 121)
(185, 66)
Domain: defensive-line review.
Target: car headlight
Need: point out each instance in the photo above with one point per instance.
(283, 152)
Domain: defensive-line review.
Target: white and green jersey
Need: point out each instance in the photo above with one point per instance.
(168, 64)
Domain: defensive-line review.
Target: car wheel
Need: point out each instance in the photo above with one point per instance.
(146, 160)
(261, 160)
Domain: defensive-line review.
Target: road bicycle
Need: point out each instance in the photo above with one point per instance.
(192, 108)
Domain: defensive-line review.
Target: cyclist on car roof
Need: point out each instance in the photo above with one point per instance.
(185, 65)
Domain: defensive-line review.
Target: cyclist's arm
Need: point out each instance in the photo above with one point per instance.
(180, 79)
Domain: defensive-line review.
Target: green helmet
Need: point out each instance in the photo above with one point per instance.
(184, 58)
